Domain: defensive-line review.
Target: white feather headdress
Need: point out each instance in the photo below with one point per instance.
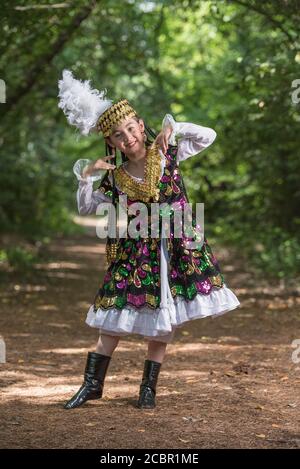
(81, 104)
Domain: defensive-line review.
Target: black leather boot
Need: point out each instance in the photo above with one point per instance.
(148, 386)
(94, 375)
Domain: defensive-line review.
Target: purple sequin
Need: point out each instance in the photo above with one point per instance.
(122, 284)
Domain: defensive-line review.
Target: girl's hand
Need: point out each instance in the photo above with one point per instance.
(162, 139)
(101, 163)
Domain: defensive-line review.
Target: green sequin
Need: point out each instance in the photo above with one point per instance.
(147, 280)
(191, 291)
(120, 301)
(123, 271)
(182, 265)
(179, 290)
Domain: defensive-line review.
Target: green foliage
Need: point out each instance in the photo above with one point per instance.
(224, 64)
(19, 258)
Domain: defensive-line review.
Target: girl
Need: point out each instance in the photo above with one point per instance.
(153, 284)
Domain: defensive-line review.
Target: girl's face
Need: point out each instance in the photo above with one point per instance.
(128, 137)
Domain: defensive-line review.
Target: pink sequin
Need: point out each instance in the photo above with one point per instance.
(204, 287)
(107, 277)
(141, 272)
(136, 300)
(146, 250)
(182, 201)
(174, 273)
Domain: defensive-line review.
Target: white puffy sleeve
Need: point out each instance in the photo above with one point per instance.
(192, 138)
(88, 199)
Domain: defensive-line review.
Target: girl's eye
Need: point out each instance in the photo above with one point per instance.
(119, 135)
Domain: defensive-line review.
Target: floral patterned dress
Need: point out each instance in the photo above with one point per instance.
(157, 284)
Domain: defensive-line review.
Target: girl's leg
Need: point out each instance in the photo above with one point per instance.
(156, 351)
(107, 344)
(95, 371)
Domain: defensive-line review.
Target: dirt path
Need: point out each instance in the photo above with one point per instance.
(228, 382)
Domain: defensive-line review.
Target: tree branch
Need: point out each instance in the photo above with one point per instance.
(268, 16)
(45, 60)
(42, 7)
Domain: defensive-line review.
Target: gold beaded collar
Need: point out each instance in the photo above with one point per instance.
(148, 188)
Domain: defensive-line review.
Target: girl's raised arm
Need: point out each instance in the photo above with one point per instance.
(192, 138)
(87, 198)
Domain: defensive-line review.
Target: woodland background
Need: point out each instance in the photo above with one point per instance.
(224, 64)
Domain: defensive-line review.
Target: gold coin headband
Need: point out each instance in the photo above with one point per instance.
(114, 115)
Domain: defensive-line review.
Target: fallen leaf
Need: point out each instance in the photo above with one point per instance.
(230, 374)
(260, 407)
(189, 419)
(241, 368)
(261, 435)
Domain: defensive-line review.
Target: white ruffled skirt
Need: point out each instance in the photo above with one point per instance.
(160, 324)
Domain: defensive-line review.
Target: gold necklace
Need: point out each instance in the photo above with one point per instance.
(148, 188)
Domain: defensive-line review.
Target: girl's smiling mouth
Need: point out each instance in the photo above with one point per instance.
(132, 144)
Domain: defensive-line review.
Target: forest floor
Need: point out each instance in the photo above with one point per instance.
(228, 382)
